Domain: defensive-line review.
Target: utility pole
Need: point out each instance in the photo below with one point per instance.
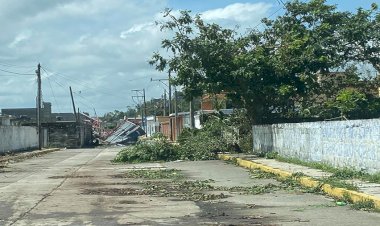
(145, 120)
(164, 102)
(76, 115)
(39, 94)
(143, 109)
(170, 95)
(72, 100)
(176, 112)
(170, 102)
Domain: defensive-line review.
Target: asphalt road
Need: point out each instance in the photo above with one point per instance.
(82, 187)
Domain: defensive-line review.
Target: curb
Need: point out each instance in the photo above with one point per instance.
(306, 181)
(24, 155)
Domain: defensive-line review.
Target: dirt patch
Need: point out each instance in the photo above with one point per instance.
(226, 213)
(69, 176)
(128, 202)
(100, 184)
(115, 191)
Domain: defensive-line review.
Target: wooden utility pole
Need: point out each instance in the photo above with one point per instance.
(164, 102)
(170, 108)
(141, 93)
(72, 100)
(39, 94)
(176, 113)
(170, 95)
(145, 119)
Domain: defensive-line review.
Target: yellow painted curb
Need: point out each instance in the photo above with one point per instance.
(306, 181)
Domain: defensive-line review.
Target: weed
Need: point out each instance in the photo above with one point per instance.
(271, 155)
(253, 190)
(335, 182)
(154, 174)
(258, 174)
(367, 205)
(346, 198)
(298, 175)
(343, 173)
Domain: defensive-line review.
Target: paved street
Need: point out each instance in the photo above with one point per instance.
(82, 187)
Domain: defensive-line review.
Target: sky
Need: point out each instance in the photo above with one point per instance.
(101, 47)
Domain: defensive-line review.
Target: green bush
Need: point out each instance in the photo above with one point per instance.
(203, 144)
(156, 148)
(219, 134)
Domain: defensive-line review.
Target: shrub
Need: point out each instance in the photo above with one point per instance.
(203, 144)
(156, 148)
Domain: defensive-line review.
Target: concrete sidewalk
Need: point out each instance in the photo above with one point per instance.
(366, 192)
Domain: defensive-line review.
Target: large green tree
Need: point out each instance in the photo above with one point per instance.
(274, 73)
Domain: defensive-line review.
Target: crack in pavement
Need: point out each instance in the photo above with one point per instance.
(21, 216)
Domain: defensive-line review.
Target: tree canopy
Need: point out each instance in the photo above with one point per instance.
(279, 72)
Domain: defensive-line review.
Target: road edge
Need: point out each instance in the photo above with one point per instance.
(25, 155)
(306, 181)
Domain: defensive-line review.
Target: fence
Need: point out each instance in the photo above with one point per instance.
(354, 143)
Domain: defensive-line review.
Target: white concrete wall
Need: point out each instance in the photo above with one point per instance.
(354, 144)
(17, 138)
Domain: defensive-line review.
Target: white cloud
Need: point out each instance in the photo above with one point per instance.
(20, 38)
(100, 46)
(240, 12)
(149, 26)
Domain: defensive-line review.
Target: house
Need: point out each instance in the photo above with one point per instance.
(58, 129)
(152, 125)
(212, 102)
(164, 125)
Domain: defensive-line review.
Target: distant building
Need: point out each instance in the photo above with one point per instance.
(59, 129)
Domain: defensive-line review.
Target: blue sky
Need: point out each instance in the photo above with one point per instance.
(100, 47)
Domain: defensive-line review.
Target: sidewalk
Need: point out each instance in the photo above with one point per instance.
(367, 191)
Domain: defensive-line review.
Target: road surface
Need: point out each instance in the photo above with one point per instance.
(82, 187)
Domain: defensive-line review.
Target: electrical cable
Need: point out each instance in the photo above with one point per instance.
(51, 89)
(84, 84)
(13, 65)
(16, 73)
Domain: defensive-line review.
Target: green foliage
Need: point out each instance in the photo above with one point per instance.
(146, 150)
(350, 103)
(271, 155)
(193, 145)
(155, 174)
(204, 143)
(338, 173)
(366, 205)
(275, 74)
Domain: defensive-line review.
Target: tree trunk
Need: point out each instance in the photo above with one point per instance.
(192, 121)
(255, 111)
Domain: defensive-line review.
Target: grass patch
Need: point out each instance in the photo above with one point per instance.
(336, 182)
(366, 205)
(338, 173)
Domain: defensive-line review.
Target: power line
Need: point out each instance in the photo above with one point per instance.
(13, 65)
(84, 84)
(268, 17)
(16, 73)
(51, 89)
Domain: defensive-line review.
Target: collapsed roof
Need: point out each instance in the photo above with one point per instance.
(128, 132)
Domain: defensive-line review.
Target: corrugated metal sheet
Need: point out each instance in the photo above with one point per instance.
(126, 133)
